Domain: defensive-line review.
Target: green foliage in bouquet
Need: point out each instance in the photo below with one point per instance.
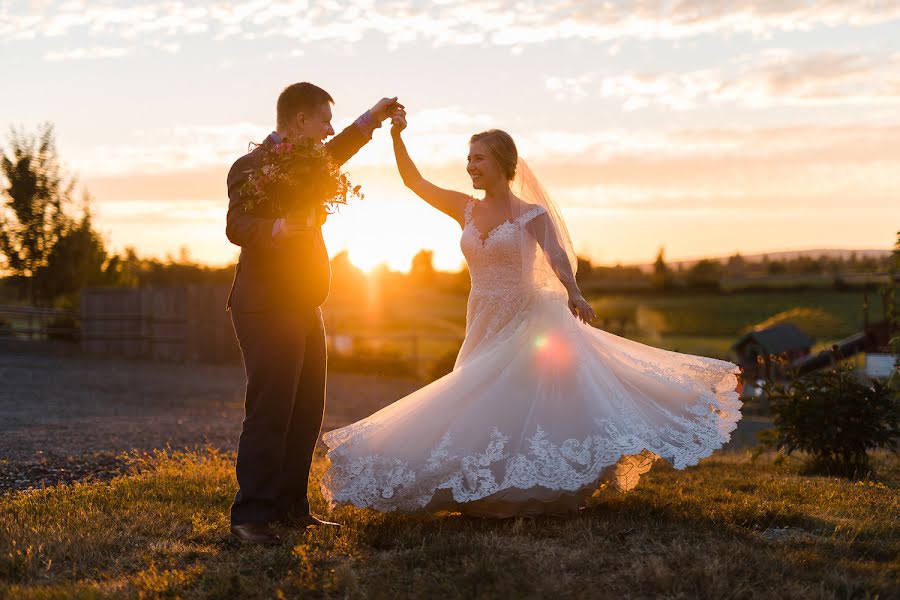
(836, 417)
(297, 176)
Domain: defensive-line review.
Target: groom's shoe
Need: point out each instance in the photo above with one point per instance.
(255, 533)
(302, 522)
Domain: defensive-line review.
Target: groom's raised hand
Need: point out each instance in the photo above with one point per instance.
(385, 108)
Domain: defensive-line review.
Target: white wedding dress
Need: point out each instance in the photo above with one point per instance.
(540, 411)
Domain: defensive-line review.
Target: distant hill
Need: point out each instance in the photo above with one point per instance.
(780, 255)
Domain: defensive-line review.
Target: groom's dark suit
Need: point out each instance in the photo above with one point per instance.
(278, 286)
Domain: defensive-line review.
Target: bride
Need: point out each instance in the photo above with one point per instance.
(541, 410)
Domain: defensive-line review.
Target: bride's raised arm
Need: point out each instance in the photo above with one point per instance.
(447, 201)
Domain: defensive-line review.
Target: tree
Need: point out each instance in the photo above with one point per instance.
(422, 270)
(891, 301)
(705, 274)
(662, 279)
(736, 264)
(775, 267)
(346, 279)
(585, 268)
(35, 196)
(77, 259)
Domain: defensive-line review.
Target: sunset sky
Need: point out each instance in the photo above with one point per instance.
(706, 127)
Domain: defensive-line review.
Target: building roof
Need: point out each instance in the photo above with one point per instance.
(845, 348)
(776, 339)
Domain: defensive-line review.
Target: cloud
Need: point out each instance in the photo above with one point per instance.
(93, 53)
(569, 88)
(475, 22)
(439, 136)
(170, 150)
(439, 133)
(730, 169)
(624, 191)
(776, 78)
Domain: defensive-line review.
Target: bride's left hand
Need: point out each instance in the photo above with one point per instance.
(398, 122)
(580, 308)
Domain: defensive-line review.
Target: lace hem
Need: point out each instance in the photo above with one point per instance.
(387, 483)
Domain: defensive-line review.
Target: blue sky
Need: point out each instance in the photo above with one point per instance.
(704, 127)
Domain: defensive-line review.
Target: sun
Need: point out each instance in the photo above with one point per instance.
(365, 262)
(390, 231)
(369, 257)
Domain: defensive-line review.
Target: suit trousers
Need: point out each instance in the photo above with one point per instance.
(285, 360)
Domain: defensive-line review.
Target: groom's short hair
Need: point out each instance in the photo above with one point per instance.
(297, 98)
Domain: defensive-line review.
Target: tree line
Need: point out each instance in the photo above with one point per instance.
(49, 248)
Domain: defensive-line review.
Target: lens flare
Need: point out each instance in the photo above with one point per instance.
(552, 351)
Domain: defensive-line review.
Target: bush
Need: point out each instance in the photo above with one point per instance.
(63, 329)
(836, 417)
(384, 363)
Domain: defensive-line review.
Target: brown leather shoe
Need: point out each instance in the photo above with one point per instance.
(305, 521)
(256, 533)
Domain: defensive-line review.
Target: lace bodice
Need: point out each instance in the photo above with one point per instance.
(501, 293)
(495, 263)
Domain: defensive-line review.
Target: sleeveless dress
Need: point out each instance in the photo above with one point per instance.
(540, 412)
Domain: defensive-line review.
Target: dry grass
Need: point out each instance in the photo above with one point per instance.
(717, 530)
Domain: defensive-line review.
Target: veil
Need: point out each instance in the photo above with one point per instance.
(548, 257)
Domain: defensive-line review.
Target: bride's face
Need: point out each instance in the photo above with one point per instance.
(481, 167)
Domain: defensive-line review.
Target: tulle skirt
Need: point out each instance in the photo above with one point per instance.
(534, 418)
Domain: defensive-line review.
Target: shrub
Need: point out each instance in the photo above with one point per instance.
(63, 329)
(836, 417)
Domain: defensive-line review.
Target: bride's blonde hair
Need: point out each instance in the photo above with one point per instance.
(502, 149)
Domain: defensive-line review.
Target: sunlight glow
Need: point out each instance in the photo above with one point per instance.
(390, 226)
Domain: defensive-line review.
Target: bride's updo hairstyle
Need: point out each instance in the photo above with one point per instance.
(502, 149)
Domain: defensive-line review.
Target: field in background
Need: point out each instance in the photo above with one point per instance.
(432, 323)
(709, 323)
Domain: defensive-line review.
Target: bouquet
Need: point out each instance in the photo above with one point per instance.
(297, 178)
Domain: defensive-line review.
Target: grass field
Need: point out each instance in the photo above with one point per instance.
(728, 528)
(828, 313)
(697, 323)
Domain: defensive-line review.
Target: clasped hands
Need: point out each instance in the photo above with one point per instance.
(301, 222)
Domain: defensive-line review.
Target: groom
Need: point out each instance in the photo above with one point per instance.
(282, 277)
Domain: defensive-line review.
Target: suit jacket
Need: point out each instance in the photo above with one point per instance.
(279, 274)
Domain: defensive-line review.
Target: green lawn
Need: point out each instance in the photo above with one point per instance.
(729, 527)
(698, 323)
(824, 313)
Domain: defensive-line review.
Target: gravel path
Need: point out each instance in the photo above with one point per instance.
(68, 418)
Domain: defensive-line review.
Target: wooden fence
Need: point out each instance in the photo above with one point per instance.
(181, 324)
(190, 324)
